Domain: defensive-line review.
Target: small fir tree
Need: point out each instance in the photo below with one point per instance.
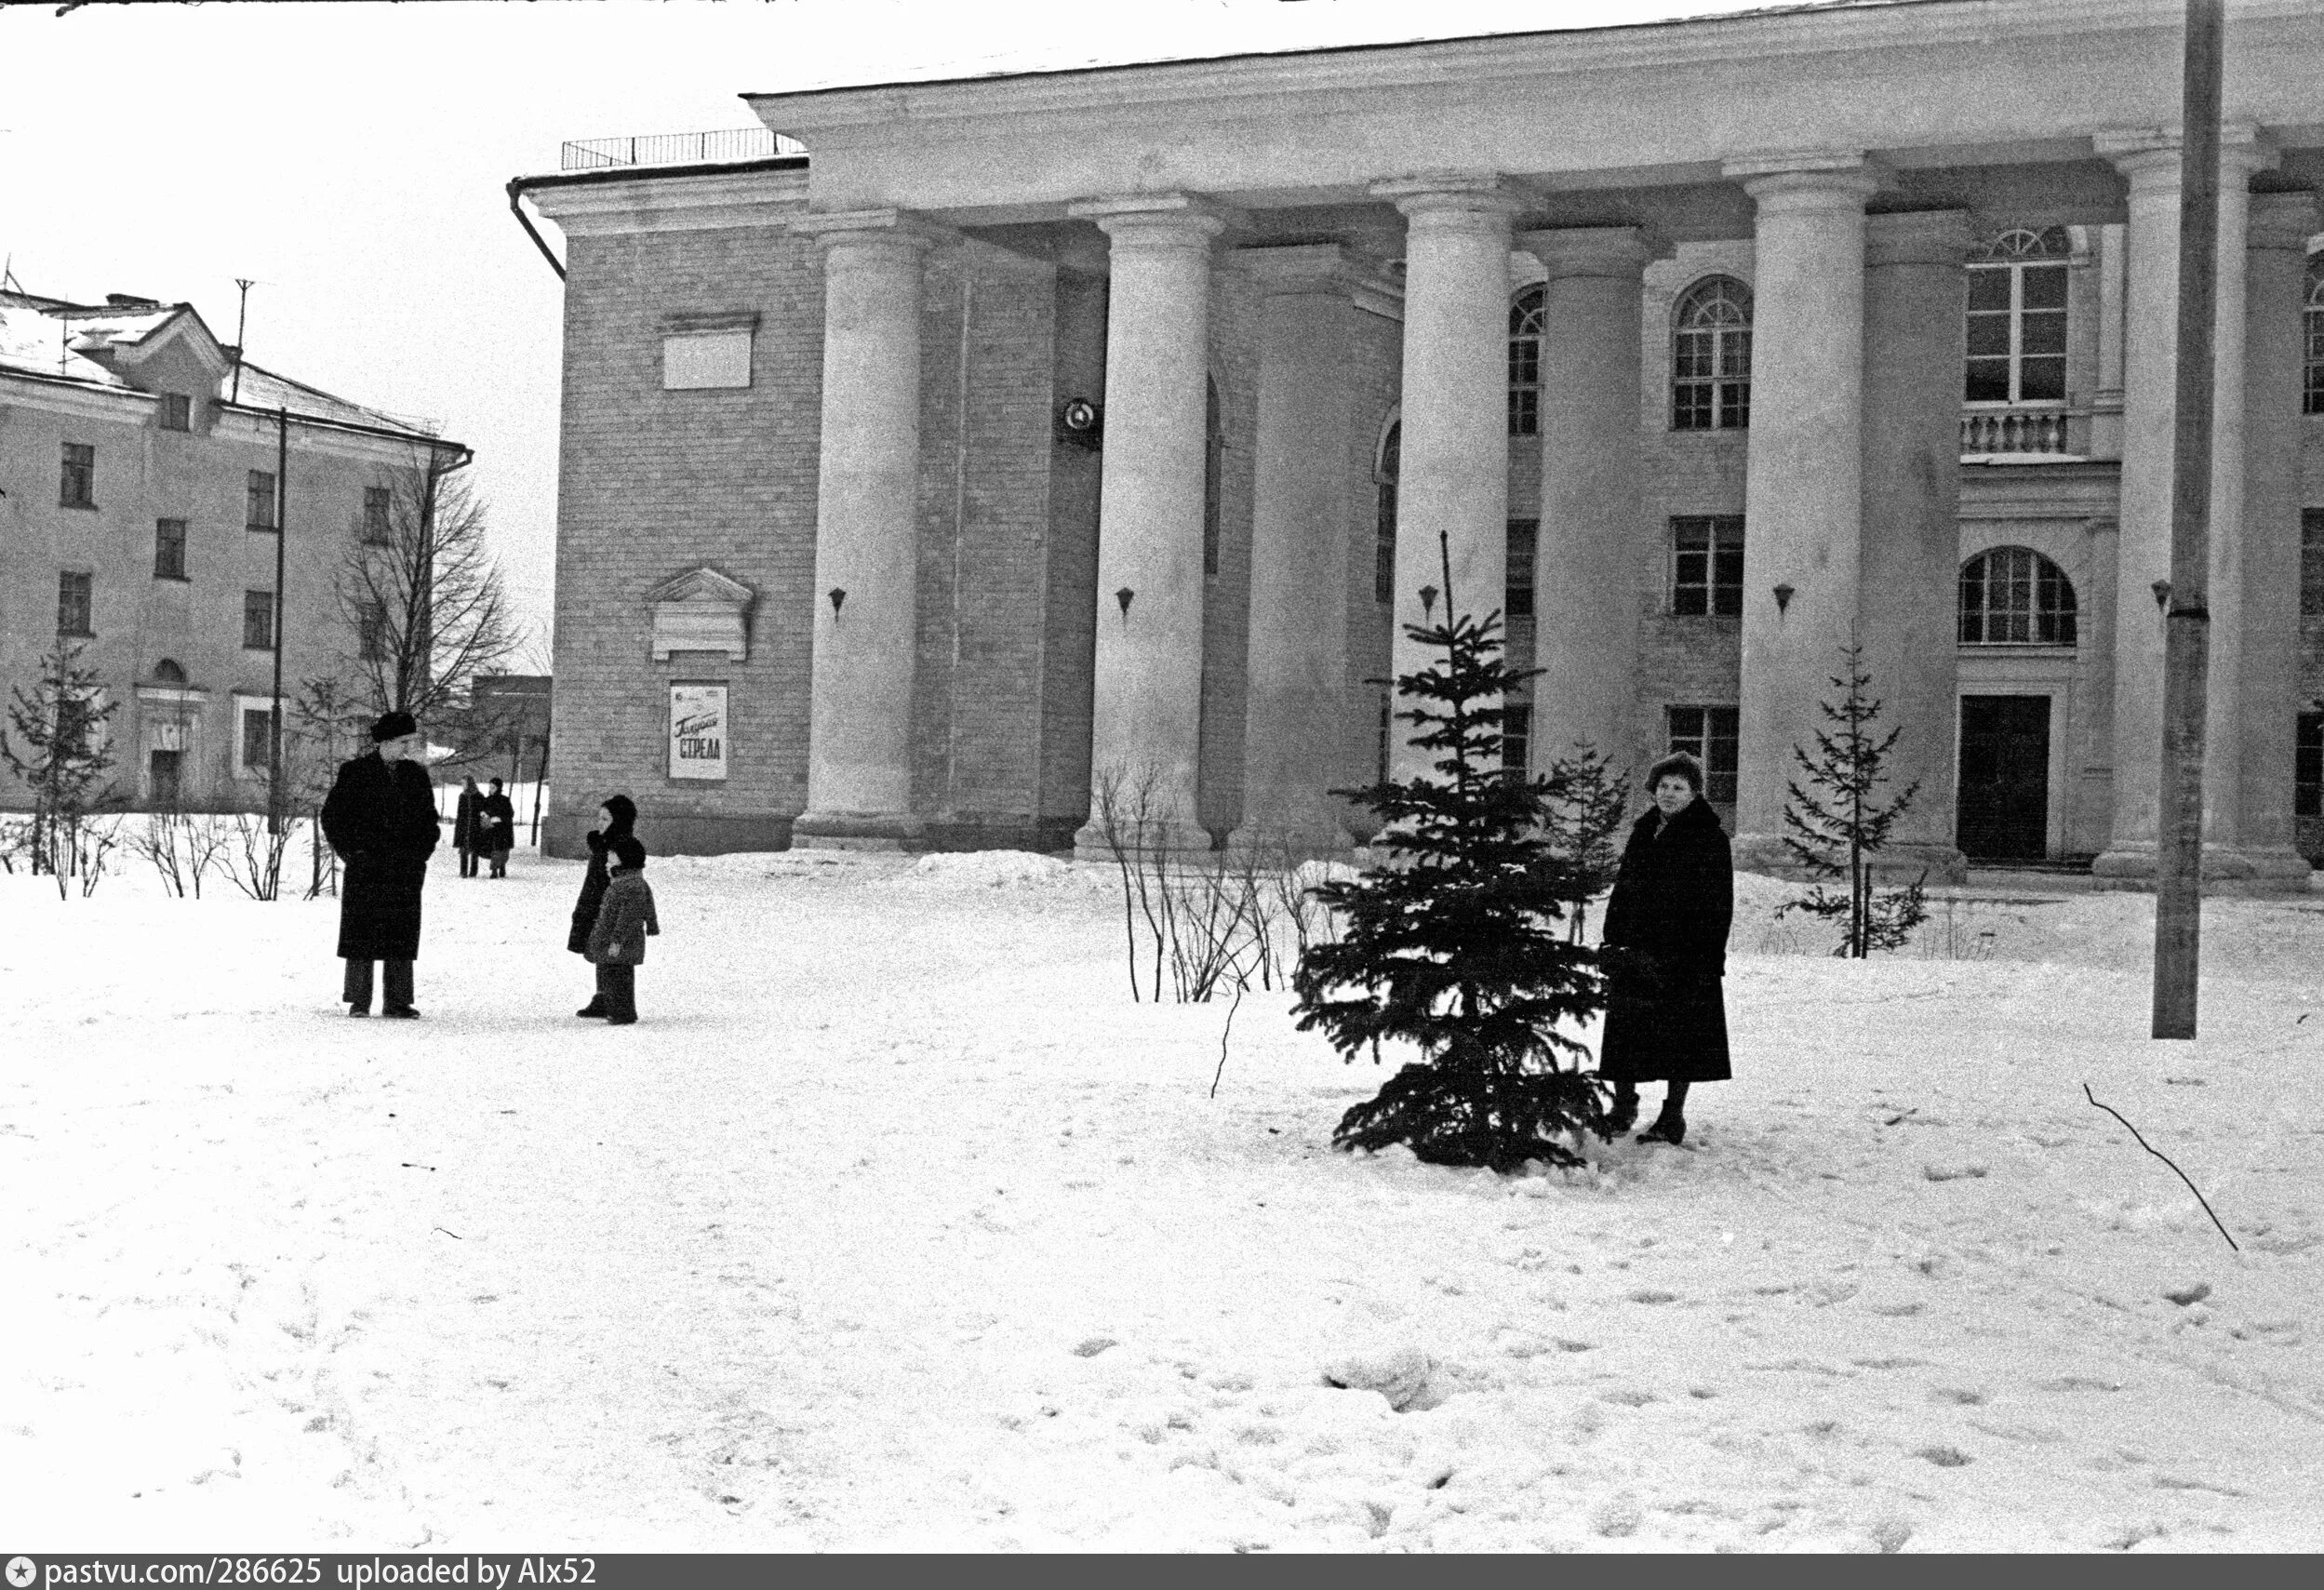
(1835, 827)
(60, 751)
(1451, 943)
(1588, 801)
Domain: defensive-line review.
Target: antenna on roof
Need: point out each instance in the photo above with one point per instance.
(242, 319)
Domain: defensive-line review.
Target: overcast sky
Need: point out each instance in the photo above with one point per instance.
(353, 159)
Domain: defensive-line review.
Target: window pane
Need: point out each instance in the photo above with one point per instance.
(1988, 334)
(2042, 380)
(1989, 289)
(1988, 380)
(1693, 358)
(1734, 352)
(1690, 407)
(2044, 287)
(2042, 333)
(1734, 404)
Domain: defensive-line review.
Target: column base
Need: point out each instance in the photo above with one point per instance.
(858, 831)
(1291, 845)
(2227, 870)
(1170, 837)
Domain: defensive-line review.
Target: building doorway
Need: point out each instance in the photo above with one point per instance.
(161, 778)
(2005, 778)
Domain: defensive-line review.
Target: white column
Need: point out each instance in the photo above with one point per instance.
(2150, 430)
(1586, 580)
(859, 781)
(1454, 482)
(1146, 717)
(1803, 475)
(2274, 288)
(1915, 312)
(1304, 500)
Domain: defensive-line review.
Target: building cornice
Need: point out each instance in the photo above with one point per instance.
(242, 424)
(650, 201)
(1721, 41)
(82, 399)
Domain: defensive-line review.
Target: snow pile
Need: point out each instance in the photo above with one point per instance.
(896, 1222)
(1023, 870)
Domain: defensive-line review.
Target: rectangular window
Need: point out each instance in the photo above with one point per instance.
(1518, 591)
(72, 604)
(76, 486)
(1706, 565)
(258, 620)
(376, 500)
(1709, 735)
(371, 632)
(259, 510)
(1516, 736)
(693, 360)
(177, 411)
(2016, 334)
(2307, 767)
(169, 548)
(2312, 562)
(257, 740)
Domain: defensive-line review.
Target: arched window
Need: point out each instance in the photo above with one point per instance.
(1525, 362)
(2312, 323)
(1384, 516)
(1214, 456)
(2017, 318)
(167, 671)
(2013, 595)
(1710, 388)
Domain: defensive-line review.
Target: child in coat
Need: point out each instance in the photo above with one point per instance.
(617, 940)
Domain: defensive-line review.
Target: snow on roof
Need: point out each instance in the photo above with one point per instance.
(263, 389)
(54, 337)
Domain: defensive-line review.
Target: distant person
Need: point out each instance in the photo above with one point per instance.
(468, 826)
(381, 820)
(625, 919)
(616, 819)
(499, 829)
(1665, 952)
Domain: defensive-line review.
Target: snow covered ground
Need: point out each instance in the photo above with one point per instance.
(896, 1223)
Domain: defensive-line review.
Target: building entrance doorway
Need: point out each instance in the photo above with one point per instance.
(2005, 778)
(162, 779)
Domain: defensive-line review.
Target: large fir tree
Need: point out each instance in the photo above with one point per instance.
(62, 752)
(1838, 824)
(1450, 938)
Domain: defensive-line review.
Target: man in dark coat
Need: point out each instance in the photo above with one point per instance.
(380, 817)
(1665, 952)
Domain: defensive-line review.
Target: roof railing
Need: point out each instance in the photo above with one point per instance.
(676, 148)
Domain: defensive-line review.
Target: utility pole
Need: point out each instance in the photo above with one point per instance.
(282, 534)
(2186, 636)
(242, 324)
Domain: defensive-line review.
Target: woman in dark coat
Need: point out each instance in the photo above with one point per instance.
(468, 826)
(498, 819)
(1665, 952)
(616, 819)
(380, 817)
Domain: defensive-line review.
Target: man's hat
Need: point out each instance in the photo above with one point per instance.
(394, 726)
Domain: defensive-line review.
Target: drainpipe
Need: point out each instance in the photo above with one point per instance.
(516, 191)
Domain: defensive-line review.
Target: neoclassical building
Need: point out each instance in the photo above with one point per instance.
(983, 443)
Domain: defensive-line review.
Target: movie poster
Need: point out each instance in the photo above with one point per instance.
(698, 731)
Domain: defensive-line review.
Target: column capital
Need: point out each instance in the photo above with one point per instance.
(2149, 156)
(1568, 251)
(1153, 221)
(1479, 201)
(2283, 221)
(899, 228)
(1917, 237)
(1807, 180)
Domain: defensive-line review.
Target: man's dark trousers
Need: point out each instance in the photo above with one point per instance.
(357, 990)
